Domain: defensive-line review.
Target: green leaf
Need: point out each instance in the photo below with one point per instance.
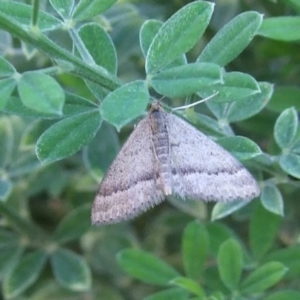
(263, 278)
(178, 35)
(230, 263)
(41, 93)
(289, 257)
(10, 255)
(290, 163)
(87, 9)
(209, 125)
(148, 31)
(42, 42)
(187, 79)
(271, 199)
(240, 147)
(6, 141)
(73, 225)
(7, 86)
(22, 13)
(232, 39)
(174, 294)
(284, 28)
(262, 240)
(6, 68)
(98, 155)
(222, 210)
(189, 285)
(146, 267)
(213, 281)
(63, 7)
(286, 127)
(245, 108)
(71, 270)
(236, 86)
(75, 104)
(68, 136)
(94, 35)
(125, 103)
(284, 295)
(25, 273)
(195, 244)
(16, 107)
(218, 233)
(97, 90)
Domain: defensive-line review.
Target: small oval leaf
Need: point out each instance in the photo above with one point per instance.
(74, 225)
(236, 86)
(263, 278)
(195, 245)
(125, 103)
(290, 163)
(240, 147)
(262, 240)
(71, 270)
(186, 79)
(285, 28)
(271, 199)
(6, 68)
(222, 210)
(68, 136)
(94, 35)
(178, 35)
(189, 285)
(25, 273)
(148, 31)
(41, 93)
(87, 9)
(232, 39)
(146, 267)
(230, 263)
(245, 108)
(286, 127)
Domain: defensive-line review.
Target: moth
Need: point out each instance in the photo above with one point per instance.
(165, 156)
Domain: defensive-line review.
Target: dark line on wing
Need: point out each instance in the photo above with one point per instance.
(189, 171)
(108, 191)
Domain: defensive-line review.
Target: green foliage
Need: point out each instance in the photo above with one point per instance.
(70, 270)
(178, 35)
(230, 267)
(120, 98)
(33, 85)
(184, 80)
(146, 267)
(73, 73)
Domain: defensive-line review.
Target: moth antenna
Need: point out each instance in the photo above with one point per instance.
(195, 103)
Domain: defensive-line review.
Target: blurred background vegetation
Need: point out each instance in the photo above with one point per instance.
(48, 248)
